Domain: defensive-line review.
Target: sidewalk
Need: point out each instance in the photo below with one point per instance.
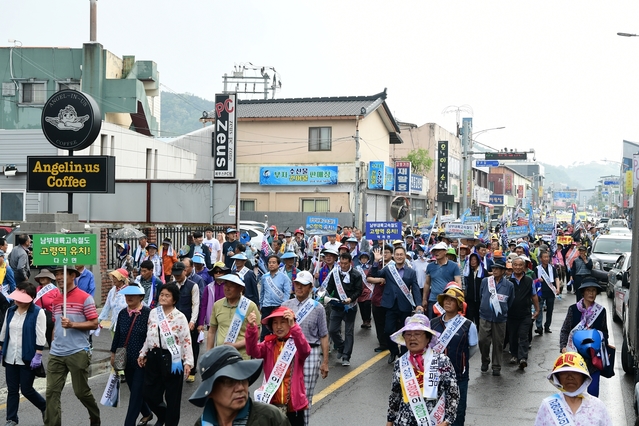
(100, 363)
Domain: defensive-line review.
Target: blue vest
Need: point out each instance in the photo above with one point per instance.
(457, 349)
(185, 304)
(28, 332)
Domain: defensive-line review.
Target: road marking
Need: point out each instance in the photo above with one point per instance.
(347, 378)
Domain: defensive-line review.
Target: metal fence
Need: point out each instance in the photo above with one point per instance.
(179, 235)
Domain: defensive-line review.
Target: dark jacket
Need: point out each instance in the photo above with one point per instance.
(392, 291)
(259, 415)
(250, 287)
(138, 334)
(521, 307)
(206, 252)
(457, 349)
(573, 317)
(29, 346)
(353, 289)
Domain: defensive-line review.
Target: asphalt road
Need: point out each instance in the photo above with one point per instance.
(358, 395)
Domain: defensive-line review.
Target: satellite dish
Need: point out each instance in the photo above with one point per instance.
(399, 208)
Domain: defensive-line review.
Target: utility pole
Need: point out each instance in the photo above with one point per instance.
(357, 170)
(467, 129)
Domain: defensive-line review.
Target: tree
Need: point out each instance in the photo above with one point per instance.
(420, 161)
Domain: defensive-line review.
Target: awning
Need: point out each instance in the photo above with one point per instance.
(490, 206)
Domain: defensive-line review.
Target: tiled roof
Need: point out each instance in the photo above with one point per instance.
(307, 107)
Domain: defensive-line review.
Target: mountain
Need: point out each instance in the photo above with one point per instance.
(181, 112)
(580, 176)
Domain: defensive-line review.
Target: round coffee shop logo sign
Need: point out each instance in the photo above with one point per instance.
(71, 120)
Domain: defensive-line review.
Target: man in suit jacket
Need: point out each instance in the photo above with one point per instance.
(362, 243)
(346, 290)
(398, 305)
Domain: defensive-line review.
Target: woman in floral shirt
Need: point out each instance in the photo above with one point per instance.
(430, 399)
(167, 356)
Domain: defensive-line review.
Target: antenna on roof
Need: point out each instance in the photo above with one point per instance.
(258, 81)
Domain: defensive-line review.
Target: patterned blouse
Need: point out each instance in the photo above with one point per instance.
(181, 332)
(591, 412)
(400, 413)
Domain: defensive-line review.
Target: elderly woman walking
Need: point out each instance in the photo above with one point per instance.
(130, 334)
(21, 342)
(414, 401)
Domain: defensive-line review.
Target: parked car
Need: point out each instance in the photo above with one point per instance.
(619, 231)
(617, 276)
(256, 234)
(617, 223)
(605, 251)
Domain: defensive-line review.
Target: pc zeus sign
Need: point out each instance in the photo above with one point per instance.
(224, 136)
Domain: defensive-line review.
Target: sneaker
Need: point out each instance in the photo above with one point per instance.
(190, 379)
(496, 373)
(11, 423)
(513, 360)
(345, 362)
(523, 364)
(484, 368)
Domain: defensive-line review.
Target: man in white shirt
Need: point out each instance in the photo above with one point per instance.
(213, 244)
(332, 243)
(420, 264)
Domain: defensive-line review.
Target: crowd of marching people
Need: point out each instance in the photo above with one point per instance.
(283, 308)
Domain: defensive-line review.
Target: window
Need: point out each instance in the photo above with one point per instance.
(12, 206)
(33, 93)
(70, 84)
(247, 205)
(319, 138)
(315, 205)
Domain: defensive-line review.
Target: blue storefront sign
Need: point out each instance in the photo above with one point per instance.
(496, 199)
(310, 175)
(389, 178)
(321, 225)
(402, 177)
(416, 183)
(384, 230)
(376, 175)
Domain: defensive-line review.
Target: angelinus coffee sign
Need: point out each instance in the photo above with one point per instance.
(71, 120)
(92, 174)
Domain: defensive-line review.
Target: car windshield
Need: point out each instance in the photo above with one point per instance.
(612, 246)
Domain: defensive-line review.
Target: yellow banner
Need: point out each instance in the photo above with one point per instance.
(629, 182)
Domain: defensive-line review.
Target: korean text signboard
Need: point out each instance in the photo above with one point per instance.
(442, 167)
(517, 231)
(402, 177)
(311, 175)
(65, 249)
(86, 173)
(473, 219)
(457, 230)
(389, 178)
(376, 175)
(496, 199)
(416, 183)
(321, 225)
(544, 228)
(224, 136)
(384, 230)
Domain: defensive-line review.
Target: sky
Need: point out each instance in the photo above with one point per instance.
(553, 73)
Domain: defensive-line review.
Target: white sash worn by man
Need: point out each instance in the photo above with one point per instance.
(400, 283)
(238, 319)
(495, 297)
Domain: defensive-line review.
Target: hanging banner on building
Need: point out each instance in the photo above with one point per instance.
(86, 173)
(496, 199)
(321, 225)
(376, 175)
(389, 178)
(442, 167)
(312, 175)
(416, 183)
(635, 170)
(517, 231)
(402, 177)
(458, 230)
(520, 191)
(628, 186)
(508, 186)
(224, 153)
(65, 249)
(384, 230)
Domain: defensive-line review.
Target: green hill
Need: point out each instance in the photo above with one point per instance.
(181, 113)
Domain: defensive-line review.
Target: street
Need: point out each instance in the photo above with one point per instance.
(358, 395)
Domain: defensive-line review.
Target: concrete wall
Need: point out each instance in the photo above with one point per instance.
(288, 199)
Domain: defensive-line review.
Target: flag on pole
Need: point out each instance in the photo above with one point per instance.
(574, 214)
(531, 222)
(432, 226)
(266, 248)
(463, 216)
